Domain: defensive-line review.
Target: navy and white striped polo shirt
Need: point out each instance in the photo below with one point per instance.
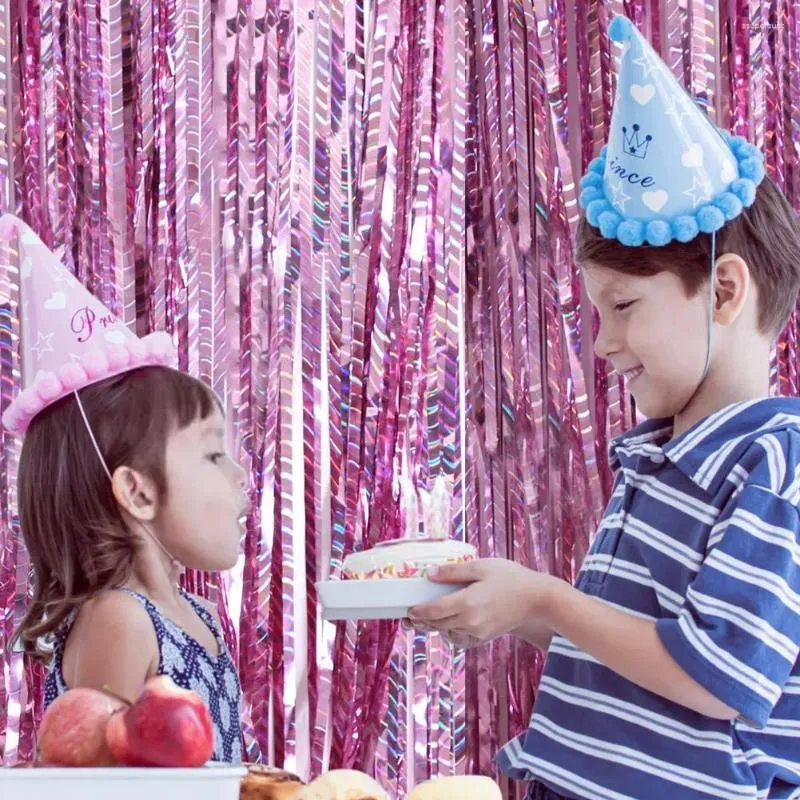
(701, 535)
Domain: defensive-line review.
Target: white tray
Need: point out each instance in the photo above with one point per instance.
(378, 599)
(121, 783)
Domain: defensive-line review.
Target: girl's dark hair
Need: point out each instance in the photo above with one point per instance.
(73, 529)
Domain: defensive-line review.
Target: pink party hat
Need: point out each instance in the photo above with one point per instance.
(69, 339)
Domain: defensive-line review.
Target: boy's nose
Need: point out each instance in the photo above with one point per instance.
(604, 346)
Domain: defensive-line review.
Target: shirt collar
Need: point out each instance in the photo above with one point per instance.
(706, 452)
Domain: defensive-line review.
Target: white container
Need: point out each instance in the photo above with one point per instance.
(121, 783)
(388, 598)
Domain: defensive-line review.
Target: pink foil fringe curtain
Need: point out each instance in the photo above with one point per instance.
(355, 219)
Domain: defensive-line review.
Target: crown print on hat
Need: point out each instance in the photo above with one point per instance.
(69, 339)
(667, 172)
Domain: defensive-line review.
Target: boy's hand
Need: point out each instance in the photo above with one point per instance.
(502, 595)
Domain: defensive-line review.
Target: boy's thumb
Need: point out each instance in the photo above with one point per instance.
(463, 572)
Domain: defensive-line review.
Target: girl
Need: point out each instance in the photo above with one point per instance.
(122, 482)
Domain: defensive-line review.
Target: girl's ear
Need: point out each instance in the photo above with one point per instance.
(135, 493)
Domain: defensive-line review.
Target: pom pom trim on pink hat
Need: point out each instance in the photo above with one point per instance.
(155, 350)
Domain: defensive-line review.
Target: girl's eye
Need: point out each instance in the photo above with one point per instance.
(215, 457)
(624, 305)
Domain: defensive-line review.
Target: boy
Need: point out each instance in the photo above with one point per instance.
(672, 667)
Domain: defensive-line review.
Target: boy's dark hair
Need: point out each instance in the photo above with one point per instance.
(766, 236)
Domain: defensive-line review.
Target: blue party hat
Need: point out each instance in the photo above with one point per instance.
(667, 172)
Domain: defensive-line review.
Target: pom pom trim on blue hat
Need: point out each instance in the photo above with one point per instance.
(658, 232)
(620, 29)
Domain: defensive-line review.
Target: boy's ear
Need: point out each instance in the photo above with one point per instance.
(731, 288)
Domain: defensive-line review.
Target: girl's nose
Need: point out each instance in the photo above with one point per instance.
(242, 477)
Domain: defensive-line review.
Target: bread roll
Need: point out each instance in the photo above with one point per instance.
(463, 787)
(343, 784)
(266, 783)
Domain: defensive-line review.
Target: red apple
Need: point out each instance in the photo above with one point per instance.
(73, 729)
(165, 727)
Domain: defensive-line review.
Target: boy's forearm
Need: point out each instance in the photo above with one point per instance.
(628, 645)
(535, 632)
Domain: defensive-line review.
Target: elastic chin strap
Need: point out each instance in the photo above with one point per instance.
(711, 296)
(175, 563)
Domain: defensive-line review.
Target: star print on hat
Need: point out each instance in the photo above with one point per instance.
(667, 172)
(69, 339)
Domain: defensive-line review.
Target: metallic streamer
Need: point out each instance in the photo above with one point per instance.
(10, 539)
(49, 29)
(676, 41)
(487, 186)
(7, 356)
(325, 211)
(443, 363)
(284, 546)
(19, 742)
(6, 109)
(336, 255)
(454, 399)
(29, 98)
(757, 40)
(702, 48)
(8, 535)
(602, 79)
(361, 327)
(388, 356)
(791, 23)
(310, 219)
(787, 144)
(419, 421)
(265, 326)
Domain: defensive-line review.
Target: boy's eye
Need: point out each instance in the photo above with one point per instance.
(622, 306)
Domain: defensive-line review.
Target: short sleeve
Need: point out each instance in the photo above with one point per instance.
(737, 634)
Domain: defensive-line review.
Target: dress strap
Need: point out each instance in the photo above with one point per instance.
(207, 617)
(156, 617)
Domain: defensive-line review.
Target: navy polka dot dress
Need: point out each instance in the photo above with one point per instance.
(190, 665)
